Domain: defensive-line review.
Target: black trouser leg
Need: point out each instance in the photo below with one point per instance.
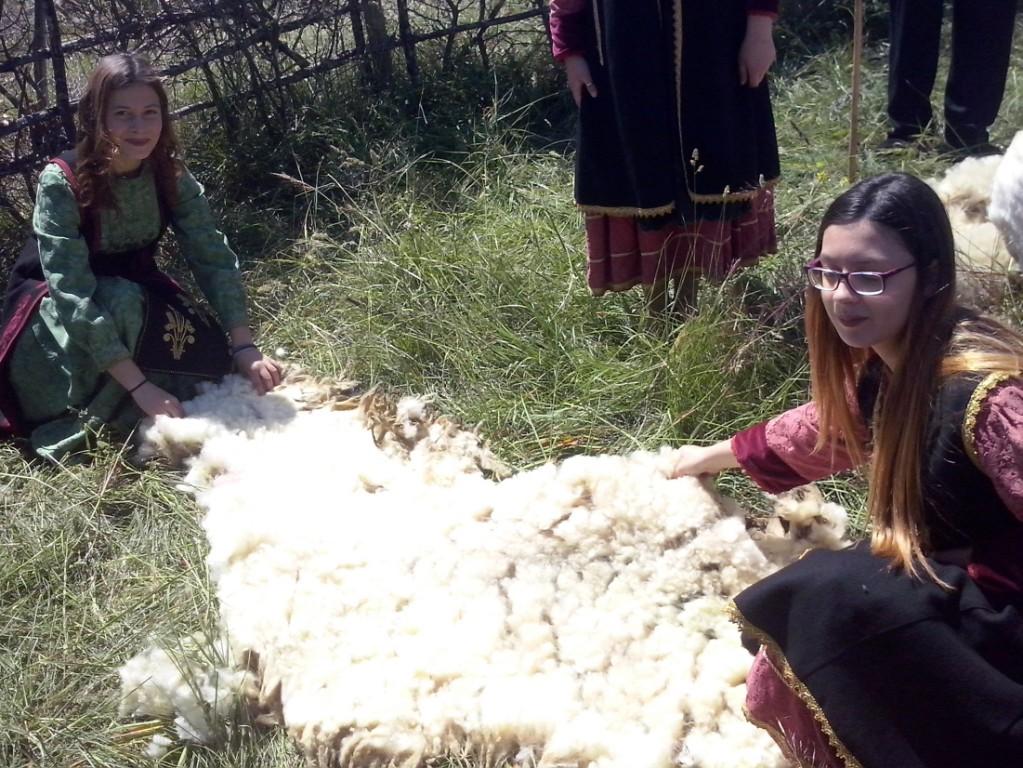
(981, 47)
(915, 27)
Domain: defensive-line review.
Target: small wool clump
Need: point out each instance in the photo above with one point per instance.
(408, 598)
(802, 519)
(187, 687)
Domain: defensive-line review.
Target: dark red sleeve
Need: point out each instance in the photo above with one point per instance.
(568, 27)
(762, 463)
(782, 453)
(997, 441)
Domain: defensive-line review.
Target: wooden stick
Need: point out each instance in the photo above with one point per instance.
(854, 109)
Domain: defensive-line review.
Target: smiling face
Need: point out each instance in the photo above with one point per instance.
(134, 120)
(874, 322)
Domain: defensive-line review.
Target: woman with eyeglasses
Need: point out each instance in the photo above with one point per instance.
(905, 650)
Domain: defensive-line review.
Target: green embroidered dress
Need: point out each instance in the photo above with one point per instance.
(89, 322)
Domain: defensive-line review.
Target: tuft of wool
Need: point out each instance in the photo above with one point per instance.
(802, 519)
(188, 687)
(405, 602)
(1006, 208)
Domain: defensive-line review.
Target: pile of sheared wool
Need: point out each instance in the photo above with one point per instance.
(405, 603)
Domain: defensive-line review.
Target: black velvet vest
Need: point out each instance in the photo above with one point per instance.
(961, 506)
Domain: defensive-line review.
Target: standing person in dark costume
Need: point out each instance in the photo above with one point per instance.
(981, 50)
(93, 332)
(905, 651)
(677, 154)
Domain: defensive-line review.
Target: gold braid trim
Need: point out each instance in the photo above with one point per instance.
(734, 197)
(977, 399)
(661, 210)
(796, 685)
(642, 213)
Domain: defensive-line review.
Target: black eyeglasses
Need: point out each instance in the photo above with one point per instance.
(862, 283)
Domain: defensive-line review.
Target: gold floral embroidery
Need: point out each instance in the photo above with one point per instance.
(180, 332)
(990, 382)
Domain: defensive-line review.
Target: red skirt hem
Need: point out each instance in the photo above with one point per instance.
(621, 254)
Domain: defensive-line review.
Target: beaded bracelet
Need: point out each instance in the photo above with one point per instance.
(132, 390)
(242, 348)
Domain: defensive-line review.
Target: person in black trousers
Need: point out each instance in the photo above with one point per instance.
(981, 47)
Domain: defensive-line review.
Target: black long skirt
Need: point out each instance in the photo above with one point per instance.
(900, 673)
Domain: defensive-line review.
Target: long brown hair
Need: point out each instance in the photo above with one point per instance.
(95, 149)
(940, 339)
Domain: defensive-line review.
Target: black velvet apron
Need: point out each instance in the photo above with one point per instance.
(671, 131)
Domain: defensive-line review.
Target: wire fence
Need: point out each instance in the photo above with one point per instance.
(241, 58)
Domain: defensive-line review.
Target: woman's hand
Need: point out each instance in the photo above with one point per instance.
(263, 372)
(757, 54)
(703, 459)
(155, 401)
(578, 73)
(151, 399)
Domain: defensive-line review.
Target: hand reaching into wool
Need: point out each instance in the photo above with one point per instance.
(578, 73)
(757, 53)
(155, 401)
(263, 372)
(703, 459)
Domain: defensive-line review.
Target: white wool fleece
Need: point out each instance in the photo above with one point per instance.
(1006, 208)
(966, 191)
(409, 605)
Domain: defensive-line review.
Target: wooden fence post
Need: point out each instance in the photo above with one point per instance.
(59, 73)
(37, 44)
(405, 31)
(854, 107)
(379, 43)
(481, 41)
(360, 39)
(37, 134)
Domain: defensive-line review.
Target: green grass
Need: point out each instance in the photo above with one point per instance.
(457, 274)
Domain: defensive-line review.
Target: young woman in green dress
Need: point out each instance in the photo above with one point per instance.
(93, 331)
